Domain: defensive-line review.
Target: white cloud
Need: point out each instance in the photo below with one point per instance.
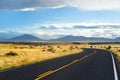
(107, 30)
(2, 31)
(107, 33)
(27, 9)
(48, 35)
(97, 4)
(56, 26)
(25, 5)
(81, 26)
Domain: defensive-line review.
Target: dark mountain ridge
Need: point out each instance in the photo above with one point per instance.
(26, 37)
(82, 38)
(29, 37)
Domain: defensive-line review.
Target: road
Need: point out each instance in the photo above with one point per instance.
(91, 64)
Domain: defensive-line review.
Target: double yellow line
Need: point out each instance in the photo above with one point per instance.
(67, 65)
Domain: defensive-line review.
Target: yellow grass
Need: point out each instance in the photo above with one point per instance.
(117, 52)
(27, 54)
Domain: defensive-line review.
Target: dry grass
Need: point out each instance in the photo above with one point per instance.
(12, 55)
(117, 52)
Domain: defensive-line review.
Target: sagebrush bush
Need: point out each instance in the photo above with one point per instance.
(119, 50)
(50, 49)
(91, 46)
(64, 50)
(71, 48)
(43, 50)
(11, 54)
(109, 47)
(58, 46)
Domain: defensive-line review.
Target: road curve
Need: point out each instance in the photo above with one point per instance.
(91, 64)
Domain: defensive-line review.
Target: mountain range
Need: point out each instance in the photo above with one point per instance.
(28, 37)
(82, 38)
(25, 37)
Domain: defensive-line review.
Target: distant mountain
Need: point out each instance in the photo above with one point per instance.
(81, 38)
(117, 39)
(3, 39)
(70, 38)
(26, 37)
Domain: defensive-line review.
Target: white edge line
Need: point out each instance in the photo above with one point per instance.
(114, 68)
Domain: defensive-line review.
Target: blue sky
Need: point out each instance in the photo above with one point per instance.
(31, 16)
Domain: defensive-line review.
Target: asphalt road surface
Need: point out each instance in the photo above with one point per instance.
(91, 64)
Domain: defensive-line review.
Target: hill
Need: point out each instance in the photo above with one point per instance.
(81, 38)
(117, 39)
(26, 37)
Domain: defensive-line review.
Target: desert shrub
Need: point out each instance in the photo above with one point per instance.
(118, 50)
(109, 47)
(43, 50)
(30, 46)
(15, 47)
(76, 47)
(71, 48)
(58, 46)
(50, 49)
(53, 51)
(24, 47)
(11, 54)
(91, 46)
(21, 47)
(64, 50)
(48, 46)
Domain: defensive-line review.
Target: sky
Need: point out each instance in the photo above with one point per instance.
(56, 18)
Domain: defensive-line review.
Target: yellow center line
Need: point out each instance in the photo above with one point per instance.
(53, 71)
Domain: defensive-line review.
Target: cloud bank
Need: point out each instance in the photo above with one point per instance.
(80, 26)
(26, 5)
(50, 31)
(107, 30)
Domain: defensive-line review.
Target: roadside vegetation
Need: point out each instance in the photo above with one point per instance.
(14, 55)
(116, 51)
(114, 48)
